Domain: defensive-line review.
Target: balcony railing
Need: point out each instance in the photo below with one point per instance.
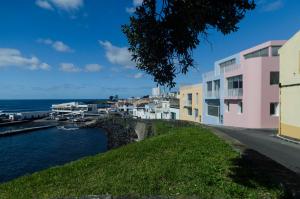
(236, 92)
(208, 75)
(188, 103)
(230, 68)
(213, 94)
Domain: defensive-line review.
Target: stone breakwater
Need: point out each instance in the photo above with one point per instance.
(122, 131)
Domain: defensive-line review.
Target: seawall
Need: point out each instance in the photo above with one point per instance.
(24, 130)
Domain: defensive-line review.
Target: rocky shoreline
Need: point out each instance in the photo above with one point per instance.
(122, 131)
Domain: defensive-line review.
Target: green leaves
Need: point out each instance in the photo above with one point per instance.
(162, 35)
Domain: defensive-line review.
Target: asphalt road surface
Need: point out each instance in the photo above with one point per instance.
(266, 143)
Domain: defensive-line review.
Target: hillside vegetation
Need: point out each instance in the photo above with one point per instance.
(180, 160)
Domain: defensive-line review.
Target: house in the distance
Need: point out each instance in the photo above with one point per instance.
(191, 102)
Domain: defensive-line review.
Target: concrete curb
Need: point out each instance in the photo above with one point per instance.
(236, 144)
(287, 139)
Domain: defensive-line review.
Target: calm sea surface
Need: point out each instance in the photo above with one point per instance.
(32, 105)
(30, 152)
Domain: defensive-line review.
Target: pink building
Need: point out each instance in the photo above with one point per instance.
(251, 87)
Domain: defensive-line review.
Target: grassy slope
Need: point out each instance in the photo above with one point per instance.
(179, 161)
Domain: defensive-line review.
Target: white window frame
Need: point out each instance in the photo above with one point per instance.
(276, 109)
(240, 107)
(227, 106)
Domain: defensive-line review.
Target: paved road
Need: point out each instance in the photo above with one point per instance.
(265, 142)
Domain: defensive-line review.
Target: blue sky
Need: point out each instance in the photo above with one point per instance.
(53, 49)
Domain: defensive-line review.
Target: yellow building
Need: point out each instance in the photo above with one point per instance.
(290, 88)
(191, 103)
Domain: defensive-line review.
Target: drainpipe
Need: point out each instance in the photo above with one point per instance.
(279, 129)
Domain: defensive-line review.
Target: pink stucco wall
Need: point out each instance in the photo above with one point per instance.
(257, 91)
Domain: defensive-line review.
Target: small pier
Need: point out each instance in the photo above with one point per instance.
(13, 122)
(24, 130)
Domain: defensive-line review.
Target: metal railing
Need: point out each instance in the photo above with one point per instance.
(230, 68)
(188, 103)
(213, 94)
(236, 92)
(208, 75)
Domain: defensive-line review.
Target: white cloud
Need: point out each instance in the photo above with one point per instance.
(66, 5)
(269, 6)
(69, 67)
(130, 10)
(61, 47)
(45, 66)
(138, 76)
(13, 57)
(117, 55)
(92, 68)
(57, 45)
(135, 4)
(44, 4)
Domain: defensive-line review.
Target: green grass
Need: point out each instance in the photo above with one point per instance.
(177, 161)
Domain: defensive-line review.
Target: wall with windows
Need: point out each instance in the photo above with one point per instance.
(191, 103)
(212, 107)
(290, 88)
(257, 78)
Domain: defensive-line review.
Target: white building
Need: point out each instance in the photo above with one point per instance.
(28, 115)
(158, 109)
(74, 107)
(140, 112)
(156, 92)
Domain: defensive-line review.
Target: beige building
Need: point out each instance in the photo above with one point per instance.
(290, 88)
(191, 103)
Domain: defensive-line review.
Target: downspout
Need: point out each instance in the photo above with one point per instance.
(279, 129)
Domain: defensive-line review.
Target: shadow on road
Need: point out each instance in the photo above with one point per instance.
(254, 169)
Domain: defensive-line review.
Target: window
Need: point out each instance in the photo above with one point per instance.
(275, 50)
(196, 112)
(259, 53)
(213, 110)
(227, 106)
(190, 111)
(274, 77)
(190, 96)
(240, 107)
(274, 109)
(196, 100)
(173, 116)
(228, 63)
(235, 82)
(217, 85)
(209, 86)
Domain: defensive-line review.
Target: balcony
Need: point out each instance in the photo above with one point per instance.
(209, 75)
(234, 93)
(213, 94)
(188, 103)
(230, 68)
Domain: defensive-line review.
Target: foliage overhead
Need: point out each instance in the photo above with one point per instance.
(163, 33)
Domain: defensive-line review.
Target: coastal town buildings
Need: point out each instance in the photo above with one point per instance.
(27, 115)
(164, 108)
(74, 107)
(156, 92)
(157, 106)
(290, 88)
(243, 89)
(191, 103)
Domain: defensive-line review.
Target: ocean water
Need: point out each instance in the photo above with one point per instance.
(33, 105)
(37, 150)
(30, 152)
